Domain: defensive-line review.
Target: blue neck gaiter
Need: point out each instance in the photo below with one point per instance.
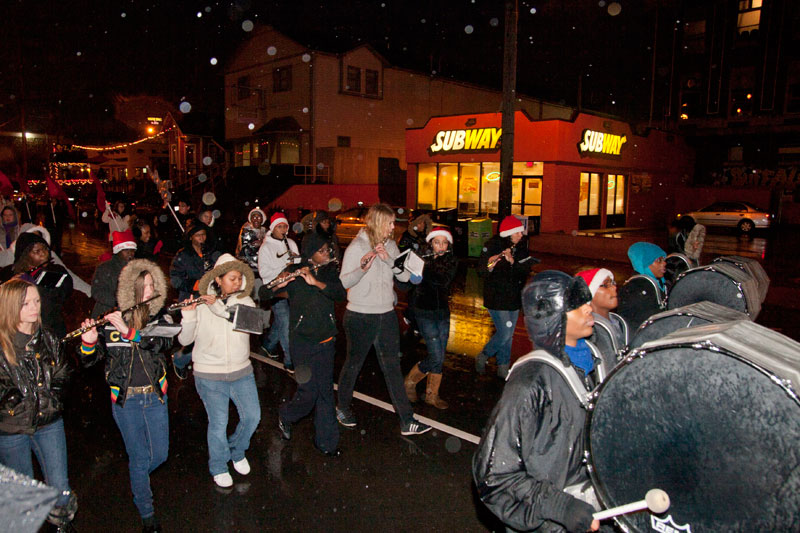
(581, 356)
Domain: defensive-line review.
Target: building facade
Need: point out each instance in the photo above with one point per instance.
(587, 172)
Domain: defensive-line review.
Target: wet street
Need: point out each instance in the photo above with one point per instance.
(382, 480)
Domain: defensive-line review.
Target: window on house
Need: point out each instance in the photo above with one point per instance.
(243, 87)
(343, 141)
(353, 79)
(282, 79)
(371, 82)
(749, 15)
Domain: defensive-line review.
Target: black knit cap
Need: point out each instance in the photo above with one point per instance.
(24, 243)
(194, 229)
(312, 242)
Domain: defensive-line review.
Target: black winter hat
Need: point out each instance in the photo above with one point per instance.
(25, 241)
(312, 242)
(197, 226)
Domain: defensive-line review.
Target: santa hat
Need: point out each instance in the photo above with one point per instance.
(277, 218)
(123, 240)
(510, 225)
(595, 277)
(439, 232)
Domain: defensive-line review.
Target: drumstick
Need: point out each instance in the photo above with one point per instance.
(656, 500)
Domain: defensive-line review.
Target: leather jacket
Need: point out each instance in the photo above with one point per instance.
(32, 391)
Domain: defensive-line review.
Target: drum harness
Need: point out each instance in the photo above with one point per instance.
(660, 298)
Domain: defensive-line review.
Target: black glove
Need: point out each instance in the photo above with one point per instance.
(578, 517)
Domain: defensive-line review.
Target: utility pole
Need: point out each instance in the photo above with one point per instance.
(509, 106)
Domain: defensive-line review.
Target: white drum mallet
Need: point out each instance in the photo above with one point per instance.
(656, 501)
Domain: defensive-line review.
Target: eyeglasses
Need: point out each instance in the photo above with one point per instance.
(660, 260)
(607, 284)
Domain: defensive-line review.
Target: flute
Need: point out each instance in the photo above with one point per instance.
(105, 320)
(198, 300)
(296, 273)
(365, 261)
(493, 264)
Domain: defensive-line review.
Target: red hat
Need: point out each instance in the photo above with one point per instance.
(511, 225)
(595, 277)
(123, 240)
(439, 232)
(277, 218)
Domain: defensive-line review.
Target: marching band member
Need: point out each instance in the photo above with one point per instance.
(504, 267)
(432, 312)
(222, 368)
(276, 253)
(136, 373)
(251, 236)
(528, 468)
(370, 320)
(644, 294)
(313, 341)
(106, 275)
(610, 329)
(33, 375)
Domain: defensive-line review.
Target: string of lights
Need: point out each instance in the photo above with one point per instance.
(123, 145)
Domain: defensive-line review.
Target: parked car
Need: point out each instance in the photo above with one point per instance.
(350, 222)
(741, 215)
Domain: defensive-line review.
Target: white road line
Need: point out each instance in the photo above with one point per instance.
(450, 430)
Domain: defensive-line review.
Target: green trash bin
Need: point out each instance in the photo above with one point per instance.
(480, 229)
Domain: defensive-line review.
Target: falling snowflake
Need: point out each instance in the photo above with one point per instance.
(272, 51)
(213, 60)
(247, 25)
(468, 29)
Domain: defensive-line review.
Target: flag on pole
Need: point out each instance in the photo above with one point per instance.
(57, 193)
(101, 194)
(6, 189)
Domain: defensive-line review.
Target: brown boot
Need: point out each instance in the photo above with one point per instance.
(432, 392)
(414, 376)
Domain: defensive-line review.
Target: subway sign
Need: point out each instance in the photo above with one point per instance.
(597, 143)
(465, 141)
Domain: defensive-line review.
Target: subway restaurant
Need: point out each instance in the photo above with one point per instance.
(590, 172)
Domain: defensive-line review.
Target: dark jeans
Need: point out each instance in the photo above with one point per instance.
(435, 332)
(314, 374)
(363, 332)
(144, 424)
(279, 332)
(50, 446)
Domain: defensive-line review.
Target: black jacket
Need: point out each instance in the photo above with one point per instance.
(312, 317)
(188, 267)
(432, 295)
(119, 355)
(32, 392)
(503, 285)
(639, 299)
(104, 285)
(610, 335)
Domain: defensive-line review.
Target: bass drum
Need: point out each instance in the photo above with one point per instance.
(722, 283)
(750, 266)
(688, 316)
(677, 264)
(710, 416)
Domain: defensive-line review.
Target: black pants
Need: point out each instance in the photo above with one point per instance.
(313, 365)
(364, 331)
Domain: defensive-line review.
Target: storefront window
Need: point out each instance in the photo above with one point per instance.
(490, 184)
(246, 155)
(589, 202)
(615, 204)
(426, 186)
(468, 188)
(533, 197)
(448, 185)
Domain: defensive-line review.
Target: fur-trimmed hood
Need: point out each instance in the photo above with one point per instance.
(225, 264)
(125, 292)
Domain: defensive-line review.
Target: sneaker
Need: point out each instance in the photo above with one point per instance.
(62, 515)
(502, 371)
(243, 466)
(223, 480)
(415, 427)
(289, 369)
(346, 418)
(328, 453)
(182, 373)
(480, 363)
(264, 351)
(285, 428)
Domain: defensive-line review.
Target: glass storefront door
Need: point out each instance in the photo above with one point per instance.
(615, 201)
(589, 201)
(526, 199)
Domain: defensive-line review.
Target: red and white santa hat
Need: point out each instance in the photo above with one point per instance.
(596, 277)
(277, 218)
(123, 240)
(511, 225)
(440, 232)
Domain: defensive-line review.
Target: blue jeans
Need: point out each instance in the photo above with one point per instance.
(435, 332)
(500, 343)
(144, 424)
(279, 332)
(216, 396)
(50, 446)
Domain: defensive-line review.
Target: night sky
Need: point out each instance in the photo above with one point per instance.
(75, 57)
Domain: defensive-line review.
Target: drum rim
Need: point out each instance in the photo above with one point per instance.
(639, 353)
(710, 268)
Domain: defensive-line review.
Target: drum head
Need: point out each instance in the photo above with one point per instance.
(713, 431)
(721, 283)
